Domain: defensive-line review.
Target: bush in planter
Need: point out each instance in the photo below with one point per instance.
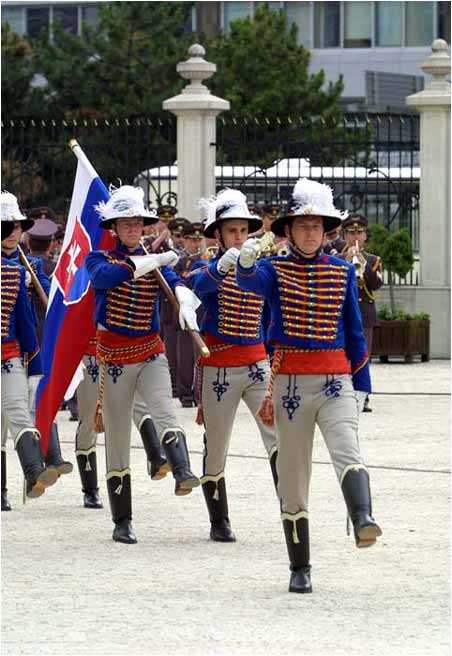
(396, 252)
(400, 333)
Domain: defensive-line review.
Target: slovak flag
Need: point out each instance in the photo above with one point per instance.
(69, 321)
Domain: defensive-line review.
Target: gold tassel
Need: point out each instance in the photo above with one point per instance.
(200, 416)
(99, 425)
(266, 412)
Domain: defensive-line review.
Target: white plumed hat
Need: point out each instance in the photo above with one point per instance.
(10, 210)
(310, 198)
(125, 202)
(227, 204)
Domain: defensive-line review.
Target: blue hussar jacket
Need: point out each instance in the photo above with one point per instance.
(123, 304)
(17, 320)
(233, 315)
(36, 265)
(313, 305)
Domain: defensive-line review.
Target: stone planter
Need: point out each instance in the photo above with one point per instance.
(402, 339)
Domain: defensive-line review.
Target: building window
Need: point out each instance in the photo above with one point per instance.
(300, 14)
(235, 10)
(37, 20)
(357, 24)
(327, 21)
(419, 23)
(444, 21)
(14, 16)
(276, 6)
(89, 13)
(67, 17)
(388, 23)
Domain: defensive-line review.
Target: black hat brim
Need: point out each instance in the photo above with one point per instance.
(7, 229)
(329, 223)
(253, 225)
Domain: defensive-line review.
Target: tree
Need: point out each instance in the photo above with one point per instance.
(396, 252)
(262, 70)
(123, 66)
(18, 95)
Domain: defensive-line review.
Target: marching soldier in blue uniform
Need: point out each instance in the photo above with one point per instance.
(10, 251)
(238, 367)
(131, 351)
(19, 343)
(368, 274)
(319, 366)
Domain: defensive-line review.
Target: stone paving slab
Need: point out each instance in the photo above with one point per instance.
(68, 589)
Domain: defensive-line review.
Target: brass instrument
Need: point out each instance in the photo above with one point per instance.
(357, 262)
(210, 252)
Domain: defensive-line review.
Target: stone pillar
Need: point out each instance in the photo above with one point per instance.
(196, 110)
(433, 293)
(433, 104)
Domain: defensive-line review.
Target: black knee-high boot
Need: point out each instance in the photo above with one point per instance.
(53, 457)
(37, 476)
(356, 491)
(273, 459)
(5, 503)
(217, 505)
(87, 466)
(296, 532)
(175, 448)
(120, 495)
(158, 466)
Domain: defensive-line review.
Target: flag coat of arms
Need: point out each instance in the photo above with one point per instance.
(69, 319)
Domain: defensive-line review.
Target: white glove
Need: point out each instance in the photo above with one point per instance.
(188, 302)
(361, 399)
(228, 260)
(249, 253)
(33, 382)
(27, 279)
(145, 263)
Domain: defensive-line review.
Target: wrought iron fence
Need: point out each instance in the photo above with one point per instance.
(371, 161)
(39, 167)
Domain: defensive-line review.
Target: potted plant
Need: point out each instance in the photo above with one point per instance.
(399, 333)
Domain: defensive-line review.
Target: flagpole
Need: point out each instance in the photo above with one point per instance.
(78, 152)
(82, 158)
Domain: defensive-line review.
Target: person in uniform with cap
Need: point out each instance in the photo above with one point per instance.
(40, 239)
(169, 320)
(238, 367)
(320, 367)
(19, 343)
(334, 244)
(130, 350)
(368, 274)
(186, 350)
(10, 251)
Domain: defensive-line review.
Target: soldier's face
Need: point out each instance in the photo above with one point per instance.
(178, 239)
(129, 231)
(234, 233)
(355, 235)
(307, 233)
(193, 244)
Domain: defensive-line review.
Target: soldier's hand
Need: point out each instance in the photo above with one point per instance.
(188, 304)
(249, 253)
(228, 260)
(27, 278)
(145, 263)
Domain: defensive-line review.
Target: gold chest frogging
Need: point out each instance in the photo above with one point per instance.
(131, 304)
(311, 297)
(239, 313)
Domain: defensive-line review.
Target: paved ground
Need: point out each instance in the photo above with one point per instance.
(68, 589)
